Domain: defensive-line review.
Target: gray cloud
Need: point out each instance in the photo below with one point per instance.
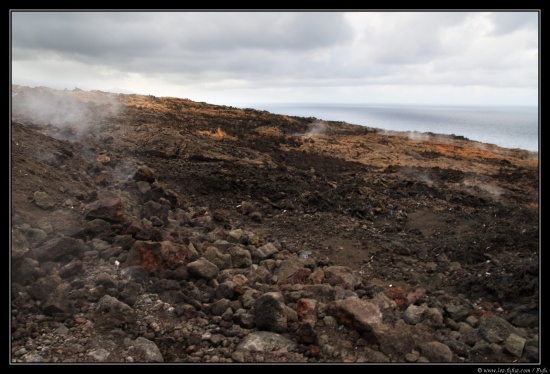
(508, 22)
(86, 35)
(178, 40)
(160, 52)
(405, 37)
(273, 31)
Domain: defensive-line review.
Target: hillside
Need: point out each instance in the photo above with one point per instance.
(149, 229)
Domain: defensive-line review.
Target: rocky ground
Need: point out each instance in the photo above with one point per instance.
(149, 229)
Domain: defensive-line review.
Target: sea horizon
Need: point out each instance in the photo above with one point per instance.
(515, 127)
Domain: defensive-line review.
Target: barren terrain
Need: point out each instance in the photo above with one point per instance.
(423, 220)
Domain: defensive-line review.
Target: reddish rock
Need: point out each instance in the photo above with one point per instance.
(144, 173)
(108, 208)
(397, 294)
(155, 256)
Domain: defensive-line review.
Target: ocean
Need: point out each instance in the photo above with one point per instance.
(509, 127)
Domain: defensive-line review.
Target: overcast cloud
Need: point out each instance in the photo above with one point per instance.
(230, 58)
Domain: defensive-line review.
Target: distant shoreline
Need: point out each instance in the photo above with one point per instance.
(505, 126)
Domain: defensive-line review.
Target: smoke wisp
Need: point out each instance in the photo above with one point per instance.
(66, 111)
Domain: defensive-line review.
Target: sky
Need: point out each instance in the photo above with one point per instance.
(245, 57)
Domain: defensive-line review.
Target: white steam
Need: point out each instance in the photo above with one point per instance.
(418, 136)
(55, 108)
(314, 129)
(488, 188)
(423, 177)
(71, 114)
(124, 170)
(317, 128)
